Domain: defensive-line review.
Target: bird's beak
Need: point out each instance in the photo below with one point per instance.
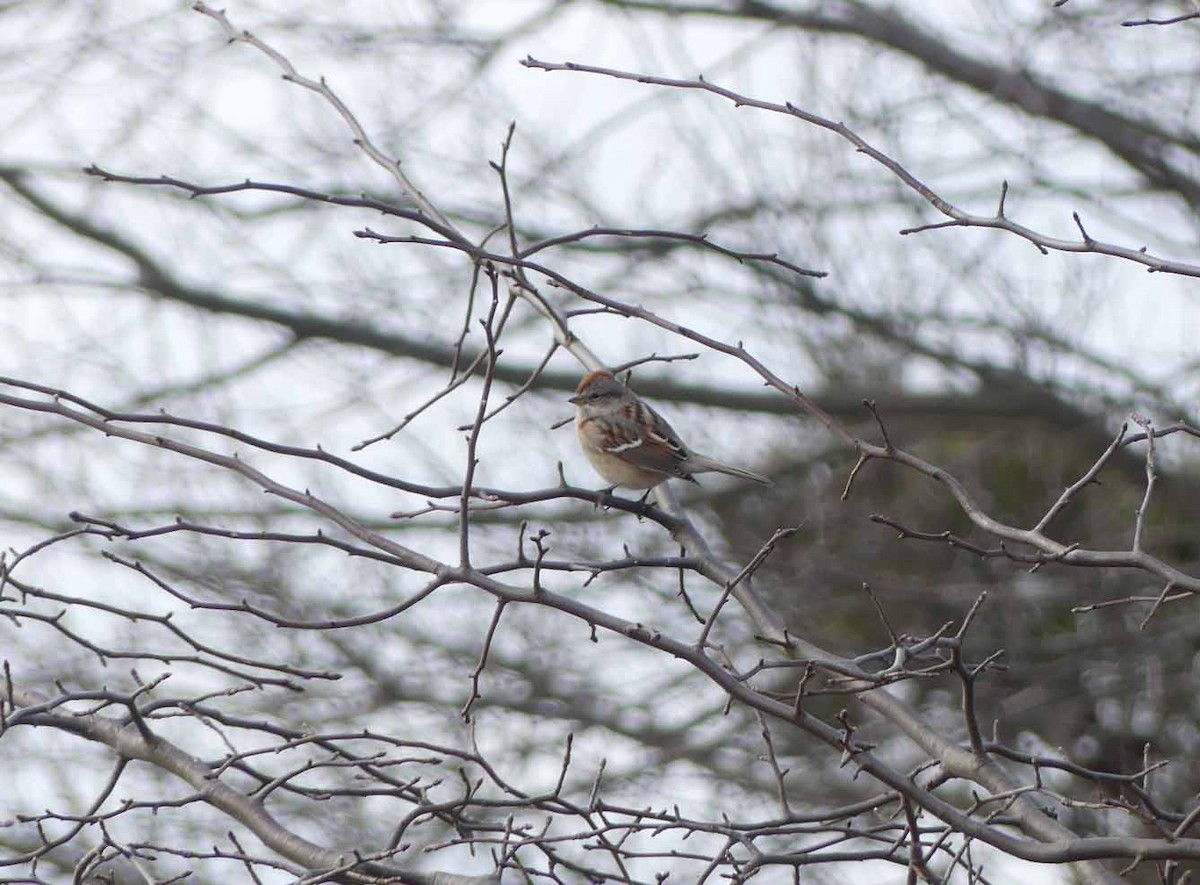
(576, 400)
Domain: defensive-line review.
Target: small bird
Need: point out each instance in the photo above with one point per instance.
(629, 444)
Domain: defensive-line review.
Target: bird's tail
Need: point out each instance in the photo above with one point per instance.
(702, 464)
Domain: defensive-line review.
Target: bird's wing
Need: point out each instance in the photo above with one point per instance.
(648, 441)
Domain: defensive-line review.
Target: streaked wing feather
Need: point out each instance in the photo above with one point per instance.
(659, 449)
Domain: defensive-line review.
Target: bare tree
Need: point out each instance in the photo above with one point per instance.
(306, 585)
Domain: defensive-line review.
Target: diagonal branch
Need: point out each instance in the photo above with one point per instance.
(129, 743)
(958, 217)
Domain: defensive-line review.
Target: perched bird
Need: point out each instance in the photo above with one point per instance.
(629, 444)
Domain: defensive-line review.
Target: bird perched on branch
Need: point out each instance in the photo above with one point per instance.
(630, 444)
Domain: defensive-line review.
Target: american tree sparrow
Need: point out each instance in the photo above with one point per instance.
(629, 444)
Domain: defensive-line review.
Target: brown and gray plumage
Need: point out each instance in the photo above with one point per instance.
(630, 444)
